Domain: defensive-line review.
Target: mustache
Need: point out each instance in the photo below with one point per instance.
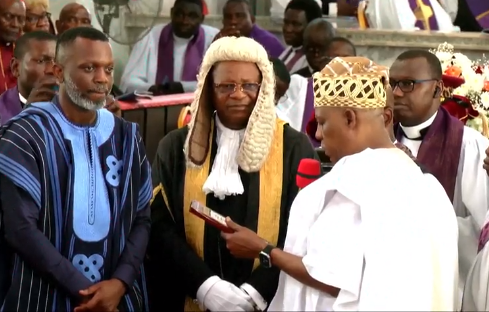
(99, 89)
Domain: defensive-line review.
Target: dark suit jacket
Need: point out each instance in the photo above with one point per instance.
(304, 72)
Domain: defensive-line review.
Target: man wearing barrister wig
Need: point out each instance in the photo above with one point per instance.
(236, 158)
(355, 241)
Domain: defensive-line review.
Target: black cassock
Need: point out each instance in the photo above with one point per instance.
(174, 269)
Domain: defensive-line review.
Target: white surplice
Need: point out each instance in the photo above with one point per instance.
(476, 292)
(140, 71)
(471, 195)
(290, 107)
(380, 230)
(288, 54)
(397, 15)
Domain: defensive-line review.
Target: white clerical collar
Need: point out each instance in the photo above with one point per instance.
(414, 132)
(224, 179)
(22, 99)
(296, 49)
(182, 40)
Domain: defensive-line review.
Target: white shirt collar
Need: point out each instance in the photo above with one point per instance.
(23, 100)
(414, 132)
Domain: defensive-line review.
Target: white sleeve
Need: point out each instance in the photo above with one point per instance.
(140, 71)
(474, 195)
(334, 251)
(390, 14)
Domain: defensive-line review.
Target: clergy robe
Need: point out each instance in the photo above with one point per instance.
(75, 209)
(454, 154)
(293, 58)
(305, 72)
(10, 104)
(146, 65)
(7, 79)
(356, 230)
(268, 40)
(184, 252)
(476, 291)
(402, 15)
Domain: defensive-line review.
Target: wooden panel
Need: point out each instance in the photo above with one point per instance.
(172, 117)
(155, 130)
(136, 116)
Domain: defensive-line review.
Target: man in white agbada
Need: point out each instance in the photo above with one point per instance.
(355, 240)
(451, 152)
(476, 292)
(167, 60)
(408, 15)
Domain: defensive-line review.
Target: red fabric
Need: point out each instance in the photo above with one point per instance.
(452, 81)
(7, 54)
(460, 108)
(312, 127)
(205, 9)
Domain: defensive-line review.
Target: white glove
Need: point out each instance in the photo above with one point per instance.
(224, 296)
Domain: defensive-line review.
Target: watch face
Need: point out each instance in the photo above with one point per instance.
(265, 260)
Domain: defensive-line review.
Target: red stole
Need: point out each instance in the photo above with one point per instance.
(7, 79)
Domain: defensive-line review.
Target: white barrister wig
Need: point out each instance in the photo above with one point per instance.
(259, 133)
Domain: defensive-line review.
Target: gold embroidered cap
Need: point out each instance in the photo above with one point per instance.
(258, 137)
(33, 3)
(354, 82)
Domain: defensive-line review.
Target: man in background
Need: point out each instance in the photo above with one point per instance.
(451, 152)
(167, 60)
(317, 36)
(297, 15)
(33, 59)
(37, 15)
(12, 21)
(73, 15)
(238, 21)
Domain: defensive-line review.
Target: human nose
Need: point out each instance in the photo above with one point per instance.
(101, 76)
(319, 134)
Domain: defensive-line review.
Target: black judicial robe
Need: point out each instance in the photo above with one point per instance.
(174, 270)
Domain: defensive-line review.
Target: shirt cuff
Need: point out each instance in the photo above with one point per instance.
(255, 296)
(204, 289)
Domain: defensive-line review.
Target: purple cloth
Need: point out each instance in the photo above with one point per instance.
(273, 46)
(433, 23)
(480, 11)
(10, 105)
(308, 112)
(193, 56)
(440, 150)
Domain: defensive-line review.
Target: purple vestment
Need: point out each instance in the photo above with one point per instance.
(432, 20)
(480, 11)
(10, 105)
(440, 150)
(193, 56)
(273, 46)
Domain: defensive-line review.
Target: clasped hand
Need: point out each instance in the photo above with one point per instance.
(102, 297)
(243, 242)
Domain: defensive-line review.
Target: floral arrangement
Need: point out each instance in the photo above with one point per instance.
(467, 87)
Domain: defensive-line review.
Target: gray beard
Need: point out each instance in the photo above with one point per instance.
(78, 99)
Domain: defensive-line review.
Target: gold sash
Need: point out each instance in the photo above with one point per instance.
(270, 199)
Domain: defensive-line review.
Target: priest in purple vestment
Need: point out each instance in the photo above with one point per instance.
(450, 151)
(238, 21)
(33, 59)
(167, 60)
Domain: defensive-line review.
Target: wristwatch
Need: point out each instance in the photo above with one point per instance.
(265, 259)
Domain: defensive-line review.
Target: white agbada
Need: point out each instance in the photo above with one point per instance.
(397, 15)
(290, 107)
(289, 54)
(140, 71)
(476, 292)
(471, 194)
(358, 230)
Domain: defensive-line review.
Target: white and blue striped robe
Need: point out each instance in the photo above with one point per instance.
(75, 209)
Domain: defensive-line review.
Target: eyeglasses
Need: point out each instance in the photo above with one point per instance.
(407, 85)
(229, 88)
(35, 18)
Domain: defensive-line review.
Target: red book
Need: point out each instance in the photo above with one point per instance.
(209, 216)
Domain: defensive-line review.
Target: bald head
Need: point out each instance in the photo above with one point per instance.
(11, 28)
(73, 15)
(320, 25)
